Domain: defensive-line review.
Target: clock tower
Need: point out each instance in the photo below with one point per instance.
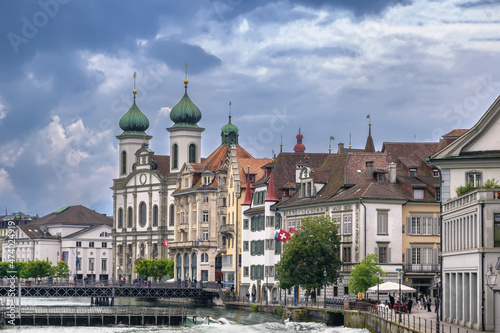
(229, 134)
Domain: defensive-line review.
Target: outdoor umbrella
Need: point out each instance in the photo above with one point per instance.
(388, 287)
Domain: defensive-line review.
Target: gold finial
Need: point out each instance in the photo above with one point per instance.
(186, 79)
(134, 91)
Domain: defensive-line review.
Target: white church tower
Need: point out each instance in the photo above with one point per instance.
(185, 134)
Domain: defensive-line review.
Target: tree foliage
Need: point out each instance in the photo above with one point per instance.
(36, 267)
(364, 274)
(154, 268)
(315, 248)
(61, 270)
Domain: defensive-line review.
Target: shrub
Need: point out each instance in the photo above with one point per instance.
(461, 190)
(254, 308)
(491, 183)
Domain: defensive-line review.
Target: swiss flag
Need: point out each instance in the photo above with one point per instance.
(165, 242)
(292, 230)
(283, 236)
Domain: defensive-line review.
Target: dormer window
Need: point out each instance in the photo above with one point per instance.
(435, 172)
(418, 194)
(413, 172)
(252, 178)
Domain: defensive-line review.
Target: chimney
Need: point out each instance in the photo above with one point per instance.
(341, 148)
(369, 169)
(392, 173)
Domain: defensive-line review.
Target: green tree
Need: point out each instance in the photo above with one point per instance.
(154, 268)
(36, 267)
(4, 267)
(313, 249)
(364, 274)
(165, 267)
(61, 270)
(144, 267)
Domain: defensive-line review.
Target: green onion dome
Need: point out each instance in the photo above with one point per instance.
(185, 113)
(134, 121)
(229, 128)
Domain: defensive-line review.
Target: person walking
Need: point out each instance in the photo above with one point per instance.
(429, 303)
(248, 296)
(253, 296)
(409, 305)
(419, 304)
(313, 297)
(391, 301)
(306, 296)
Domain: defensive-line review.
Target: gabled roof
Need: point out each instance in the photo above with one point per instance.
(74, 215)
(83, 231)
(409, 153)
(481, 140)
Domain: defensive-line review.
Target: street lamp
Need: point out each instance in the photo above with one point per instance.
(324, 295)
(400, 275)
(437, 281)
(378, 283)
(491, 278)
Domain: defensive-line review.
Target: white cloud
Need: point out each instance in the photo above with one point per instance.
(8, 195)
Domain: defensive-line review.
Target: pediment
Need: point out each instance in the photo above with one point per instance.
(143, 177)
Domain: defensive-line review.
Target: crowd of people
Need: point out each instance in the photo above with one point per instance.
(406, 304)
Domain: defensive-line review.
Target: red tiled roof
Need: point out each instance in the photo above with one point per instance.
(163, 163)
(455, 133)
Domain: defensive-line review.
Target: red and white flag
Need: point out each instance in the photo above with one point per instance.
(283, 236)
(292, 230)
(165, 242)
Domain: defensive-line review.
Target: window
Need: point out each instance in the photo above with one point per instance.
(418, 194)
(497, 229)
(245, 224)
(172, 215)
(91, 264)
(205, 197)
(192, 153)
(205, 234)
(130, 217)
(120, 218)
(78, 244)
(104, 244)
(104, 234)
(384, 255)
(91, 244)
(155, 216)
(104, 265)
(78, 263)
(270, 221)
(347, 225)
(270, 244)
(124, 162)
(415, 256)
(245, 246)
(474, 177)
(427, 225)
(245, 271)
(175, 155)
(435, 172)
(382, 217)
(277, 247)
(346, 254)
(438, 194)
(415, 225)
(205, 216)
(413, 172)
(278, 221)
(336, 221)
(142, 214)
(120, 249)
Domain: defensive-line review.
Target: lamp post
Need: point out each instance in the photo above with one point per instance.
(378, 284)
(324, 295)
(437, 280)
(491, 282)
(400, 275)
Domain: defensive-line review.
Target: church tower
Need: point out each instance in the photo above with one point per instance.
(185, 134)
(134, 125)
(229, 133)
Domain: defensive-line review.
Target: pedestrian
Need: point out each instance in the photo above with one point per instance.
(429, 303)
(313, 297)
(189, 282)
(306, 296)
(39, 280)
(418, 302)
(391, 301)
(248, 296)
(194, 282)
(185, 282)
(436, 305)
(409, 305)
(253, 296)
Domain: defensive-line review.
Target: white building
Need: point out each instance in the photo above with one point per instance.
(471, 224)
(64, 235)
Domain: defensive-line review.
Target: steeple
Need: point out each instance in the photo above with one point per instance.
(229, 133)
(134, 122)
(185, 113)
(248, 192)
(369, 147)
(299, 147)
(271, 192)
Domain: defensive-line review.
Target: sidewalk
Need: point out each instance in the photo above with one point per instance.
(428, 322)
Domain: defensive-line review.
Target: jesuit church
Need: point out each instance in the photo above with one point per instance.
(163, 205)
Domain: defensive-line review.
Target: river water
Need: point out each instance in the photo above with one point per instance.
(220, 320)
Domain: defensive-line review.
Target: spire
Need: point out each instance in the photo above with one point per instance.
(185, 113)
(299, 147)
(281, 144)
(369, 147)
(248, 192)
(271, 192)
(134, 121)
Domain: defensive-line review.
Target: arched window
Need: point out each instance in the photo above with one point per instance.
(120, 217)
(124, 162)
(142, 214)
(142, 250)
(175, 156)
(192, 153)
(130, 217)
(172, 215)
(155, 216)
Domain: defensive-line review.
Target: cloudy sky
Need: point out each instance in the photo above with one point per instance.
(419, 68)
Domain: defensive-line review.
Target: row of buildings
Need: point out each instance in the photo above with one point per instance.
(217, 216)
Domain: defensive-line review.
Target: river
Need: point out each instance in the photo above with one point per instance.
(221, 320)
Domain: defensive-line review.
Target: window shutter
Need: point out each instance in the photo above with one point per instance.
(388, 255)
(408, 256)
(435, 259)
(262, 247)
(435, 227)
(262, 223)
(408, 225)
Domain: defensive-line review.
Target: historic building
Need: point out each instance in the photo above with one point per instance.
(470, 169)
(74, 234)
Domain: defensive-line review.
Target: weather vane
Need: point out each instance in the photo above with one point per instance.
(134, 91)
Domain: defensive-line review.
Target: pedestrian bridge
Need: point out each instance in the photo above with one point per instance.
(201, 295)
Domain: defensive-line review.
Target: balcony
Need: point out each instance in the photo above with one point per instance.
(422, 268)
(471, 198)
(222, 248)
(346, 267)
(226, 229)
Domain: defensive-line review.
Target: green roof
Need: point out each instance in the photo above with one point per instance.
(60, 210)
(134, 121)
(185, 113)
